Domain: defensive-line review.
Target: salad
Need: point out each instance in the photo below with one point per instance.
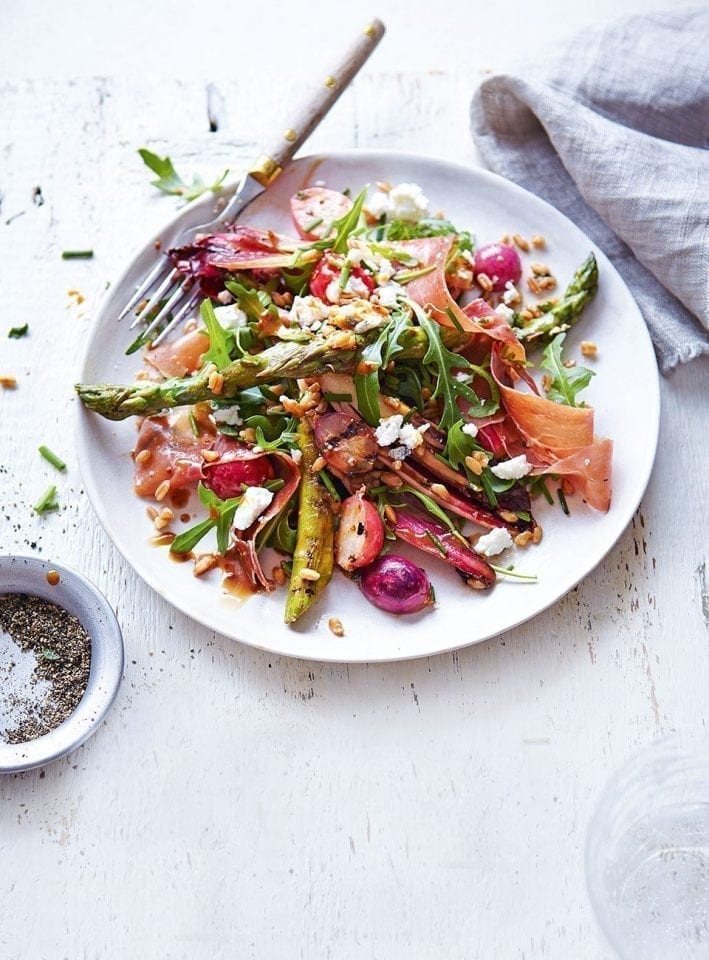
(377, 379)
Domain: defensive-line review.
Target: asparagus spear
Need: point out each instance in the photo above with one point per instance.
(285, 360)
(563, 314)
(313, 558)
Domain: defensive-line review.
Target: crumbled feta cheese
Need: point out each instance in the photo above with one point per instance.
(470, 429)
(388, 430)
(389, 292)
(332, 291)
(378, 204)
(502, 310)
(494, 542)
(411, 436)
(511, 294)
(296, 455)
(513, 469)
(357, 286)
(230, 316)
(371, 322)
(225, 297)
(308, 312)
(407, 202)
(398, 453)
(354, 256)
(253, 503)
(229, 415)
(393, 429)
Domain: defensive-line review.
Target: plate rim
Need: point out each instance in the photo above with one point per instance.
(311, 161)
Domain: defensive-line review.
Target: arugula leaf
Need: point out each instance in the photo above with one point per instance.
(448, 387)
(403, 230)
(221, 516)
(169, 181)
(566, 381)
(221, 341)
(253, 302)
(273, 435)
(342, 228)
(378, 354)
(459, 445)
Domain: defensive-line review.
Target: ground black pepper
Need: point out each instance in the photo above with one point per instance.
(62, 650)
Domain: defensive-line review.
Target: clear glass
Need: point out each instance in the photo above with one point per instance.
(647, 854)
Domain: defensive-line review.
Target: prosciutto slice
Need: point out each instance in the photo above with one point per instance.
(175, 453)
(431, 291)
(181, 357)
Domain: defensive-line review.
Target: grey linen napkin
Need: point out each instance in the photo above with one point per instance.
(614, 132)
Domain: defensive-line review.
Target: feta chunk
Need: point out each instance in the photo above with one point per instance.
(308, 312)
(253, 503)
(357, 287)
(502, 310)
(470, 429)
(407, 202)
(378, 204)
(411, 436)
(388, 430)
(230, 316)
(389, 292)
(513, 469)
(494, 542)
(228, 415)
(394, 430)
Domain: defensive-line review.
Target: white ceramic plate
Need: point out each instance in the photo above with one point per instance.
(624, 393)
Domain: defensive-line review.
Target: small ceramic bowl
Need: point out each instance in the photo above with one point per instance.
(75, 594)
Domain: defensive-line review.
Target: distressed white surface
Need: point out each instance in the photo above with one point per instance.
(239, 805)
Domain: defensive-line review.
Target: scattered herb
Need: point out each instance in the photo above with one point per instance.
(562, 501)
(16, 332)
(77, 254)
(52, 458)
(169, 180)
(511, 572)
(47, 502)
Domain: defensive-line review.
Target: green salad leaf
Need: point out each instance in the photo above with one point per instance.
(169, 181)
(566, 382)
(221, 341)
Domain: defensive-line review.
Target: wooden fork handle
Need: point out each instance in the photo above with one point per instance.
(272, 161)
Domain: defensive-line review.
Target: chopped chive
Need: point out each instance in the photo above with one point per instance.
(337, 397)
(16, 332)
(52, 458)
(345, 275)
(193, 424)
(329, 485)
(510, 572)
(347, 191)
(487, 488)
(562, 501)
(454, 320)
(543, 487)
(274, 485)
(77, 254)
(442, 549)
(287, 566)
(313, 224)
(47, 502)
(432, 593)
(523, 515)
(377, 490)
(406, 276)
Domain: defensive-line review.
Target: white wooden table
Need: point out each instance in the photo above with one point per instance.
(236, 804)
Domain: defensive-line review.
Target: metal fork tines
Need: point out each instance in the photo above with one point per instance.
(164, 293)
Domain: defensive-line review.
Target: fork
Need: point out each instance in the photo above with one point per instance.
(161, 285)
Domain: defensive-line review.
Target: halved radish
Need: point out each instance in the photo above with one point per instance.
(314, 209)
(360, 535)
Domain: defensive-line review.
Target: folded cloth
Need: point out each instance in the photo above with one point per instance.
(614, 132)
